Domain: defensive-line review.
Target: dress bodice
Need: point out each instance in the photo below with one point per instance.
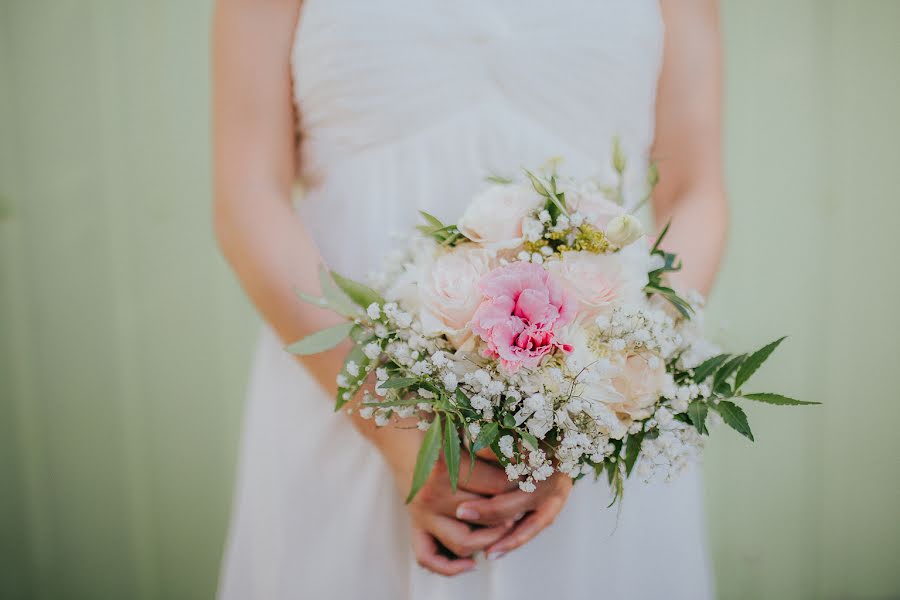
(421, 99)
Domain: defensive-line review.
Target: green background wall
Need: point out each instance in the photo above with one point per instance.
(124, 341)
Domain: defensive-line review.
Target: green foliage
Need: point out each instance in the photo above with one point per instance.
(778, 399)
(336, 299)
(734, 417)
(446, 235)
(725, 371)
(487, 436)
(555, 200)
(632, 450)
(656, 279)
(708, 367)
(753, 362)
(361, 294)
(427, 457)
(321, 341)
(452, 450)
(697, 411)
(398, 383)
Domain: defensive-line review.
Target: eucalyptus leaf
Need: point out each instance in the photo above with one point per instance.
(427, 457)
(734, 417)
(776, 399)
(451, 451)
(754, 362)
(361, 294)
(321, 340)
(392, 403)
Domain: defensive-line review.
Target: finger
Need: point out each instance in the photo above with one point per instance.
(485, 479)
(500, 508)
(462, 540)
(440, 499)
(527, 528)
(488, 455)
(428, 556)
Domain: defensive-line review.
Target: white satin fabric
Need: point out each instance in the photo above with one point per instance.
(406, 105)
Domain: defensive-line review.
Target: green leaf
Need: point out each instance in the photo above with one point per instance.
(498, 179)
(398, 382)
(753, 362)
(486, 437)
(428, 455)
(336, 299)
(321, 341)
(432, 220)
(451, 451)
(361, 294)
(659, 239)
(726, 370)
(734, 417)
(529, 438)
(462, 399)
(776, 399)
(708, 367)
(632, 450)
(538, 185)
(509, 421)
(697, 411)
(401, 402)
(314, 300)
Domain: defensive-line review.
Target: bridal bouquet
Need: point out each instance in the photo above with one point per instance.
(541, 326)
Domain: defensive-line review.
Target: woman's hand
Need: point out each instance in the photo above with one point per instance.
(432, 514)
(537, 510)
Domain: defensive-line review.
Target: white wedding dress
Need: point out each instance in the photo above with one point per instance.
(406, 105)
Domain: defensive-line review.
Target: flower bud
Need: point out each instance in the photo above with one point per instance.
(623, 230)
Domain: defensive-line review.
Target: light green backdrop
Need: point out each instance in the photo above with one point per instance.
(125, 341)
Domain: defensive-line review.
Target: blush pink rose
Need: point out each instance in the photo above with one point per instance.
(521, 314)
(494, 217)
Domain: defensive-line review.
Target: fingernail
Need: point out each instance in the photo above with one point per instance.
(495, 555)
(464, 512)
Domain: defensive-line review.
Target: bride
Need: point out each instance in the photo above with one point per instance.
(382, 107)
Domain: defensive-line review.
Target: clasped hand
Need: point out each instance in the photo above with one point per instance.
(487, 513)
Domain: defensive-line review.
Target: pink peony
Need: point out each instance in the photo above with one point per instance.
(521, 314)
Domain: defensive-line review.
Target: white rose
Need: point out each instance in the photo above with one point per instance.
(600, 281)
(448, 288)
(494, 217)
(624, 230)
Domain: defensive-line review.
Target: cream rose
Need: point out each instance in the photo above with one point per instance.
(494, 217)
(596, 208)
(449, 288)
(623, 230)
(640, 381)
(600, 281)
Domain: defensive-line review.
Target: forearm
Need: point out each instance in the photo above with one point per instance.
(697, 234)
(273, 254)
